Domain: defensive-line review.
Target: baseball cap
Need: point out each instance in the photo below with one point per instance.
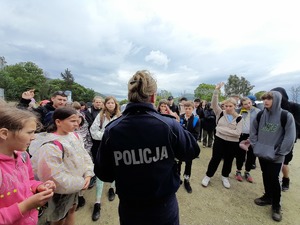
(170, 98)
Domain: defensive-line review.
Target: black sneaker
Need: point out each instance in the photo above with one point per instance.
(276, 214)
(187, 186)
(285, 184)
(263, 200)
(111, 194)
(81, 201)
(96, 212)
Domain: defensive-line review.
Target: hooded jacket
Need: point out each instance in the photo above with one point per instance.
(67, 167)
(226, 130)
(292, 107)
(16, 184)
(269, 139)
(138, 151)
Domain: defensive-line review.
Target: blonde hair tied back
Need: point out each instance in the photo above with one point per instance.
(141, 86)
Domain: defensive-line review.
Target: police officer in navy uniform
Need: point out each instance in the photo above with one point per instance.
(138, 151)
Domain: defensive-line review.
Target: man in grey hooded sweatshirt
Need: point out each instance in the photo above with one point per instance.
(293, 108)
(271, 142)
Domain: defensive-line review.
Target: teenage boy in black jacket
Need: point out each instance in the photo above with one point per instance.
(192, 124)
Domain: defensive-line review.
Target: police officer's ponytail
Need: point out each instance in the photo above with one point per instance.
(141, 86)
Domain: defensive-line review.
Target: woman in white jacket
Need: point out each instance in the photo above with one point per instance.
(110, 112)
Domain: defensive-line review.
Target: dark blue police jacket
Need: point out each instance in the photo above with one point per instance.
(138, 151)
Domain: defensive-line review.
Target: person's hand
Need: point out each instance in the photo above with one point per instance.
(163, 112)
(219, 85)
(35, 201)
(28, 94)
(169, 111)
(86, 183)
(49, 184)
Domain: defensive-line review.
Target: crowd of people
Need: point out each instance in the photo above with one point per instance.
(63, 149)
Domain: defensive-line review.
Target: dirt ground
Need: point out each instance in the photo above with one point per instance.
(214, 205)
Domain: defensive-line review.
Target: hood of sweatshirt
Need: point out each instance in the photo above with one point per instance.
(271, 117)
(285, 97)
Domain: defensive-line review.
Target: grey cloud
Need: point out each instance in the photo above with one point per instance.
(103, 45)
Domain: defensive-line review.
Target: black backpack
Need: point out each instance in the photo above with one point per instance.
(283, 117)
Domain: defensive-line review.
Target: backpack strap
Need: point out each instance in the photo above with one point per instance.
(238, 119)
(283, 117)
(59, 145)
(181, 121)
(221, 114)
(24, 157)
(258, 116)
(196, 118)
(76, 134)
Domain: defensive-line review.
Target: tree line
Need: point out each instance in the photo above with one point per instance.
(23, 76)
(17, 78)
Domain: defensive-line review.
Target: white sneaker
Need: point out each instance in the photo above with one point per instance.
(205, 181)
(225, 182)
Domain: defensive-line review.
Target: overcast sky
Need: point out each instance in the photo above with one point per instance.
(184, 43)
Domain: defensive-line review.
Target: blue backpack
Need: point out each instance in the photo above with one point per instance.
(196, 119)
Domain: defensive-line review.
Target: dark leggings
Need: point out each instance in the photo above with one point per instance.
(187, 168)
(222, 150)
(270, 174)
(241, 156)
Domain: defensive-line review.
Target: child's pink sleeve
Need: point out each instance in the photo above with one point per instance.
(11, 214)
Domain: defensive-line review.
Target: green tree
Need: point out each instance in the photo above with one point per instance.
(204, 91)
(23, 76)
(7, 83)
(124, 101)
(236, 85)
(68, 77)
(56, 85)
(164, 94)
(259, 94)
(80, 93)
(2, 62)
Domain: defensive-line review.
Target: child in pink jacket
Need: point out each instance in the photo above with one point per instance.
(20, 194)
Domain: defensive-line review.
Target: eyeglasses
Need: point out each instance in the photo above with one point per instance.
(61, 93)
